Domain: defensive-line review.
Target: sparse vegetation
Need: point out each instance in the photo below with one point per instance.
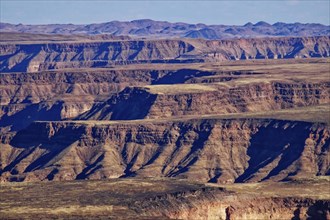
(117, 112)
(128, 198)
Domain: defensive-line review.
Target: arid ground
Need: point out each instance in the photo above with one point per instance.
(109, 127)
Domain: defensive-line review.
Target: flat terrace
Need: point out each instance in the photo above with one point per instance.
(123, 198)
(314, 114)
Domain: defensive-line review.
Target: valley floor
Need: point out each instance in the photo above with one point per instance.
(155, 198)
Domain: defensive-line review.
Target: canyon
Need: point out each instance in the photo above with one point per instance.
(115, 127)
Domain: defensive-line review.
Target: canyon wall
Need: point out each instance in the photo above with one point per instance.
(44, 56)
(221, 151)
(202, 99)
(59, 95)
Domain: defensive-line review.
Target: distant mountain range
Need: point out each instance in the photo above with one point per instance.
(147, 28)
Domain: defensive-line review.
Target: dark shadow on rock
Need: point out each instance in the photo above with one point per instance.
(33, 112)
(296, 214)
(271, 142)
(52, 174)
(90, 169)
(318, 210)
(37, 136)
(191, 158)
(215, 178)
(130, 104)
(136, 106)
(30, 51)
(181, 76)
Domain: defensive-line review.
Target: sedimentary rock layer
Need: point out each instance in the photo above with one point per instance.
(44, 56)
(201, 99)
(232, 150)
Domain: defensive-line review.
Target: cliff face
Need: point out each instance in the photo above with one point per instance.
(36, 57)
(59, 95)
(209, 150)
(202, 99)
(276, 48)
(119, 94)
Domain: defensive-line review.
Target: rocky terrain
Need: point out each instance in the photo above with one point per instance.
(153, 91)
(147, 28)
(211, 150)
(198, 99)
(134, 123)
(165, 199)
(226, 115)
(38, 56)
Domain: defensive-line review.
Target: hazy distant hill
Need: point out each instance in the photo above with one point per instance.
(152, 29)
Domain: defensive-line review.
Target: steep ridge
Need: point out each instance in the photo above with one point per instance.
(211, 150)
(148, 28)
(35, 57)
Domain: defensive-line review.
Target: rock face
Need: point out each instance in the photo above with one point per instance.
(36, 57)
(27, 97)
(109, 93)
(231, 150)
(160, 29)
(189, 99)
(123, 94)
(44, 56)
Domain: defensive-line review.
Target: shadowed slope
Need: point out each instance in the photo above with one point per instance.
(210, 150)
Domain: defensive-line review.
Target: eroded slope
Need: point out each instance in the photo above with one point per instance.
(34, 56)
(211, 150)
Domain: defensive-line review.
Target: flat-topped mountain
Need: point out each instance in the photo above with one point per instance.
(39, 55)
(162, 29)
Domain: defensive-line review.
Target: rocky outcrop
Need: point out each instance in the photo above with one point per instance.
(222, 151)
(37, 57)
